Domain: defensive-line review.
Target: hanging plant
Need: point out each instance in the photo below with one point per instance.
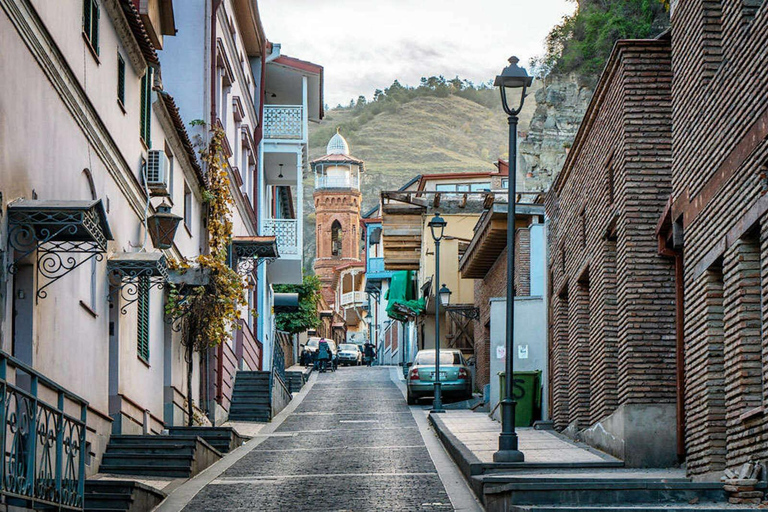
(210, 312)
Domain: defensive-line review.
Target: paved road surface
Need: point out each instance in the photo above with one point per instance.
(352, 444)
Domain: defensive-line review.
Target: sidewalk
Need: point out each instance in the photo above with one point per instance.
(473, 437)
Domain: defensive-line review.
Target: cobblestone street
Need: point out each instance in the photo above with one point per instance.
(352, 444)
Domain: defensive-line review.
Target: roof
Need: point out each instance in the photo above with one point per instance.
(181, 130)
(338, 145)
(341, 159)
(139, 32)
(308, 67)
(412, 181)
(370, 212)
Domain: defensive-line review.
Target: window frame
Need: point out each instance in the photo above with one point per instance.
(121, 81)
(142, 320)
(90, 25)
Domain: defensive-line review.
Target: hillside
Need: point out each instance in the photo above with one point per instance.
(426, 135)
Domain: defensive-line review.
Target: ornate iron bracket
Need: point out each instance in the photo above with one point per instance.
(131, 269)
(57, 231)
(247, 253)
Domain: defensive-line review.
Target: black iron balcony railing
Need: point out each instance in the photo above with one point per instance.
(43, 446)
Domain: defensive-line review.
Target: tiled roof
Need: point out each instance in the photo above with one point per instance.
(337, 158)
(139, 32)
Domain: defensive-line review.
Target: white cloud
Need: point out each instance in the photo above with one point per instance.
(366, 44)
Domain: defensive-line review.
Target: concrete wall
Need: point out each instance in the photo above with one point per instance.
(530, 352)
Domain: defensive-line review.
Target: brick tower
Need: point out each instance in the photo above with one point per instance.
(337, 206)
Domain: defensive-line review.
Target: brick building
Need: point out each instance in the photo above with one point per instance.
(612, 320)
(485, 261)
(717, 214)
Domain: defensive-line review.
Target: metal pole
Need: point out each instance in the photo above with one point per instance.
(437, 405)
(508, 451)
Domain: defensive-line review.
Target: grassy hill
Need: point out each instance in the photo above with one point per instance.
(426, 134)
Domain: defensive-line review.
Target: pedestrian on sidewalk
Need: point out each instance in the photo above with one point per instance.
(370, 353)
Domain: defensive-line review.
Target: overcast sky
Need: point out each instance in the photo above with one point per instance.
(366, 44)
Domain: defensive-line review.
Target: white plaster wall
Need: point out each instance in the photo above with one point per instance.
(45, 150)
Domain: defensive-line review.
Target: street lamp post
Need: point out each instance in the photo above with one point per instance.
(513, 77)
(437, 226)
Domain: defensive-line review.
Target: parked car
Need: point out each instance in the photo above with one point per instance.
(350, 354)
(455, 376)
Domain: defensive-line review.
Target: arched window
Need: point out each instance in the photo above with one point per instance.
(336, 235)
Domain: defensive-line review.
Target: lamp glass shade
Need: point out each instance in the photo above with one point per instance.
(162, 226)
(437, 225)
(513, 76)
(445, 295)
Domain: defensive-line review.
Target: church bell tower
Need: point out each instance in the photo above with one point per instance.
(337, 206)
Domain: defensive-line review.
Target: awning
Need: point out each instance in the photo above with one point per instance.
(286, 302)
(55, 227)
(401, 302)
(247, 252)
(136, 273)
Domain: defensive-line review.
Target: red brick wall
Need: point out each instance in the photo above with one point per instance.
(612, 316)
(720, 95)
(493, 285)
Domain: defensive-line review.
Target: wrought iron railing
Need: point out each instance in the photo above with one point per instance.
(284, 122)
(278, 358)
(337, 182)
(43, 446)
(352, 298)
(286, 232)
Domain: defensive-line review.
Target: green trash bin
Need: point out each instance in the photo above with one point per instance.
(527, 393)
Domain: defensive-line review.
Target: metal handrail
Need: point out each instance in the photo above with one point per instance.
(43, 447)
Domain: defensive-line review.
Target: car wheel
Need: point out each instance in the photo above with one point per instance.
(410, 398)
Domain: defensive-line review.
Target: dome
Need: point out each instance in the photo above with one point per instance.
(337, 145)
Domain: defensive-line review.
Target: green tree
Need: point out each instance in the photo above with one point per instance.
(309, 297)
(584, 41)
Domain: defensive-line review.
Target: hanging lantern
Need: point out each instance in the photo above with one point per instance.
(162, 226)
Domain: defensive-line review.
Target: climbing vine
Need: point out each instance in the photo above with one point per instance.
(209, 313)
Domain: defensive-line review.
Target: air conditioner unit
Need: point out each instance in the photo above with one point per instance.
(157, 172)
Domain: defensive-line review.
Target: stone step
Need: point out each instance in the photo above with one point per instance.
(585, 491)
(146, 470)
(223, 439)
(138, 459)
(169, 449)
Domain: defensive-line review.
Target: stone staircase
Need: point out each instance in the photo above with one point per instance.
(173, 455)
(295, 379)
(599, 491)
(120, 496)
(251, 397)
(224, 439)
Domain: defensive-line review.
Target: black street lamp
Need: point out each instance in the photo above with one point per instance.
(512, 78)
(437, 226)
(162, 226)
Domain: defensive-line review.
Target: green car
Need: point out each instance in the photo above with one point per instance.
(455, 376)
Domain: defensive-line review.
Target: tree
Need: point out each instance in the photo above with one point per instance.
(207, 314)
(309, 297)
(582, 42)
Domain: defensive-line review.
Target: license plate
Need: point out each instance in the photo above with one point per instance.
(443, 375)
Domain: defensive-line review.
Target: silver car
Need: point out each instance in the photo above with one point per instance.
(350, 354)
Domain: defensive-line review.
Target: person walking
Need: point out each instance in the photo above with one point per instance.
(370, 353)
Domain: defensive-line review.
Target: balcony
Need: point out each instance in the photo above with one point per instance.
(286, 232)
(44, 446)
(337, 182)
(284, 122)
(352, 299)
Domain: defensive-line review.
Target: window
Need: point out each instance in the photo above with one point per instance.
(143, 323)
(187, 207)
(121, 81)
(336, 238)
(91, 23)
(480, 187)
(146, 108)
(505, 183)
